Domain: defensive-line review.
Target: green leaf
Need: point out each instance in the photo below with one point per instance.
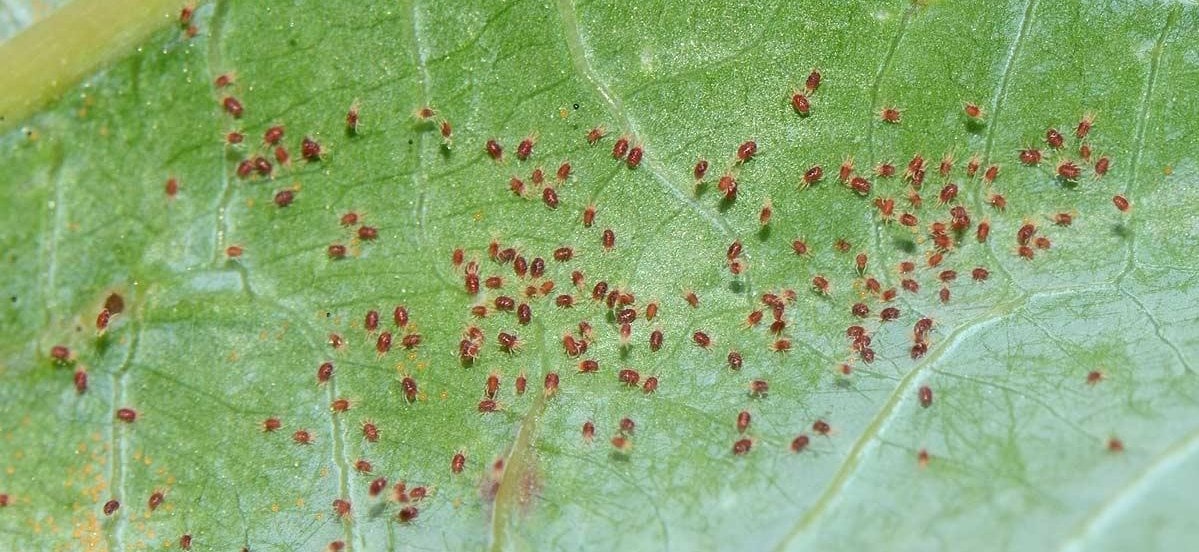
(208, 346)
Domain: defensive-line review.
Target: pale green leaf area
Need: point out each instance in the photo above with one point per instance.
(208, 347)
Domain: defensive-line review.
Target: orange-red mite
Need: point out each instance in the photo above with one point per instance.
(340, 405)
(742, 421)
(746, 151)
(80, 381)
(692, 299)
(742, 446)
(800, 247)
(701, 169)
(926, 396)
(370, 432)
(563, 171)
(620, 148)
(302, 437)
(233, 107)
(310, 149)
(973, 111)
(525, 148)
(588, 431)
(608, 239)
(759, 388)
(111, 506)
(821, 427)
(1102, 166)
(813, 81)
(551, 383)
(812, 175)
(588, 216)
(734, 360)
(980, 274)
(494, 149)
(991, 174)
(324, 372)
(458, 462)
(820, 283)
(1115, 445)
(594, 135)
(634, 158)
(801, 105)
(655, 340)
(650, 386)
(410, 390)
(1094, 377)
(127, 415)
(766, 212)
(521, 384)
(846, 170)
(273, 135)
(890, 115)
(1053, 138)
(1084, 126)
(800, 443)
(701, 339)
(1121, 203)
(1030, 156)
(550, 196)
(341, 507)
(271, 424)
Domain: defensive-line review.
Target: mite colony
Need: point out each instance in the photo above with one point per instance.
(512, 284)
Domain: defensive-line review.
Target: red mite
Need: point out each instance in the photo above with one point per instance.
(310, 150)
(594, 135)
(813, 81)
(1053, 138)
(494, 149)
(1121, 203)
(525, 148)
(634, 158)
(233, 107)
(926, 396)
(701, 168)
(812, 175)
(620, 148)
(746, 151)
(801, 105)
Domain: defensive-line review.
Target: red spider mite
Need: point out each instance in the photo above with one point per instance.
(407, 514)
(997, 201)
(820, 284)
(628, 377)
(778, 326)
(336, 341)
(588, 431)
(172, 187)
(946, 165)
(310, 149)
(1053, 138)
(914, 166)
(888, 314)
(494, 149)
(1025, 252)
(488, 406)
(1030, 156)
(608, 239)
(885, 170)
(813, 81)
(302, 437)
(233, 107)
(650, 386)
(103, 319)
(424, 113)
(926, 396)
(973, 165)
(479, 311)
(410, 389)
(973, 111)
(549, 196)
(521, 384)
(185, 542)
(1025, 233)
(620, 148)
(383, 343)
(889, 295)
(890, 115)
(813, 175)
(842, 245)
(282, 156)
(551, 383)
(860, 262)
(599, 291)
(377, 485)
(859, 310)
(223, 80)
(948, 193)
(594, 135)
(537, 267)
(701, 168)
(743, 419)
(324, 372)
(458, 462)
(801, 105)
(517, 186)
(701, 339)
(80, 378)
(494, 282)
(538, 176)
(909, 220)
(563, 171)
(411, 341)
(919, 349)
(860, 185)
(622, 444)
(991, 174)
(655, 340)
(735, 360)
(352, 120)
(821, 427)
(742, 446)
(234, 137)
(634, 158)
(577, 278)
(944, 295)
(922, 458)
(1084, 126)
(588, 366)
(525, 148)
(727, 185)
(1041, 242)
(691, 298)
(520, 266)
(127, 415)
(111, 506)
(746, 151)
(759, 388)
(339, 405)
(271, 424)
(341, 507)
(262, 166)
(914, 198)
(800, 443)
(626, 334)
(1115, 445)
(564, 301)
(370, 432)
(765, 214)
(1094, 377)
(524, 314)
(800, 247)
(508, 342)
(471, 283)
(492, 385)
(846, 170)
(1121, 203)
(1102, 166)
(651, 311)
(273, 135)
(979, 274)
(886, 207)
(371, 323)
